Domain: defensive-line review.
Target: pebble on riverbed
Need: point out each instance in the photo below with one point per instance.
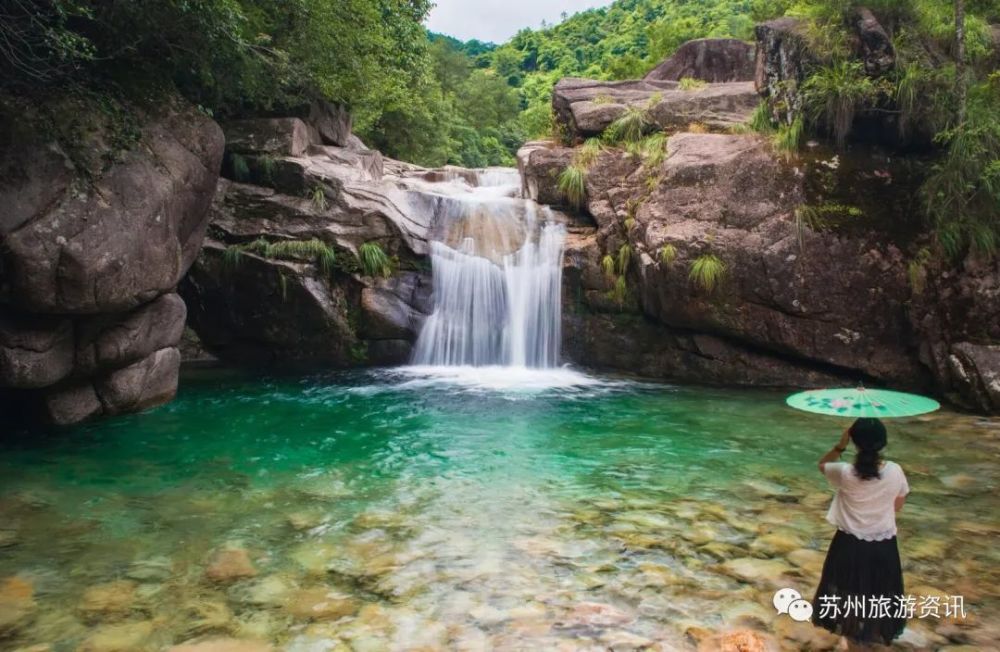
(229, 565)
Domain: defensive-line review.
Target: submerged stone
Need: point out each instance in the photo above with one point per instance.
(223, 645)
(229, 565)
(127, 637)
(17, 604)
(109, 601)
(320, 603)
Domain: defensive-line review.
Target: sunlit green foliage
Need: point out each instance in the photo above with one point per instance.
(588, 152)
(691, 84)
(619, 291)
(788, 137)
(629, 127)
(833, 94)
(608, 267)
(318, 198)
(707, 272)
(374, 261)
(314, 250)
(624, 257)
(573, 185)
(668, 254)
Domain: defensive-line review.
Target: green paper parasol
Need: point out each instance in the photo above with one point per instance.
(862, 402)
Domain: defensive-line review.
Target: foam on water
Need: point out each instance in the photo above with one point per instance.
(505, 379)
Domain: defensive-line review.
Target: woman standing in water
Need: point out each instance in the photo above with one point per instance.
(862, 563)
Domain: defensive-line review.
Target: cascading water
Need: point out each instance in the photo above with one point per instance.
(497, 271)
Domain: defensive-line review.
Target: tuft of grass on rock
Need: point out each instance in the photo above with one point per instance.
(707, 272)
(374, 260)
(573, 185)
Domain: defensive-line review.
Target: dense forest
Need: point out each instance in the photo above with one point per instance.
(431, 99)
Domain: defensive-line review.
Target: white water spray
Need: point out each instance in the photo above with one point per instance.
(497, 272)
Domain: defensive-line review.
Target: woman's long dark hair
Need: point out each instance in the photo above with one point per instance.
(870, 437)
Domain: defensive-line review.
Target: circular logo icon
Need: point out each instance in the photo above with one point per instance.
(785, 597)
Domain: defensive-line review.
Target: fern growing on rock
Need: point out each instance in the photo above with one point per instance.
(619, 291)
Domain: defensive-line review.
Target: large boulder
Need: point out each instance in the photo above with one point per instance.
(96, 240)
(708, 59)
(540, 164)
(250, 306)
(975, 371)
(782, 62)
(874, 45)
(601, 334)
(777, 313)
(586, 107)
(268, 137)
(126, 237)
(732, 198)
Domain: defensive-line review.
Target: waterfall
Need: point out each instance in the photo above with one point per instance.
(497, 274)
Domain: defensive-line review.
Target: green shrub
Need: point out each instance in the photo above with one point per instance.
(788, 137)
(629, 127)
(374, 261)
(603, 99)
(318, 198)
(668, 254)
(761, 120)
(588, 153)
(573, 185)
(619, 291)
(832, 95)
(241, 170)
(624, 257)
(654, 149)
(707, 272)
(314, 250)
(608, 267)
(691, 84)
(962, 194)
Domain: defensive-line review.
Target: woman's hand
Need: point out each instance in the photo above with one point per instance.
(835, 452)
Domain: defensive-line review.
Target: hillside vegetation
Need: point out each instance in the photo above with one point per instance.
(433, 100)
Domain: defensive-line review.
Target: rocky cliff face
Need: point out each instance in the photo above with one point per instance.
(793, 301)
(282, 281)
(92, 248)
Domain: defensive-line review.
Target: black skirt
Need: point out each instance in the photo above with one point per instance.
(858, 594)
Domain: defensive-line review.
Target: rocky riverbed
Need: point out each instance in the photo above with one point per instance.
(396, 512)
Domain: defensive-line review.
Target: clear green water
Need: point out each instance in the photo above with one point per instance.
(445, 516)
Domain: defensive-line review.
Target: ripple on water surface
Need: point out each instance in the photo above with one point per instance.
(470, 508)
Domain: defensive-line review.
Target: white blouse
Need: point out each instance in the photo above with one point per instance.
(865, 508)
